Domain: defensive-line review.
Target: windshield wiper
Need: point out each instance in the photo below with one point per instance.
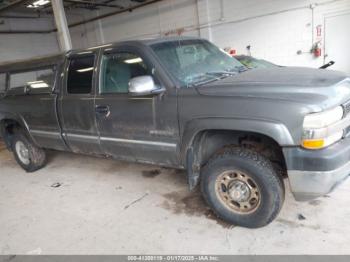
(236, 70)
(222, 73)
(242, 69)
(203, 81)
(215, 75)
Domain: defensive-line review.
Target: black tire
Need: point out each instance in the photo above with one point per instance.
(36, 155)
(257, 167)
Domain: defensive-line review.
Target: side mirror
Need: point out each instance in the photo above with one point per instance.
(144, 85)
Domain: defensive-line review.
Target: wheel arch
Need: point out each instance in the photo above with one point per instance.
(202, 138)
(8, 124)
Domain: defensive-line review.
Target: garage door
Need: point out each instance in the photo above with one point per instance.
(338, 41)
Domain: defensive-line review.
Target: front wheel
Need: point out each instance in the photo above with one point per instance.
(242, 187)
(28, 156)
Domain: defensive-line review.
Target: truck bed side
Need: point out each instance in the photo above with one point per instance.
(30, 101)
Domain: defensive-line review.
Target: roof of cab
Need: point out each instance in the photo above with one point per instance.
(147, 41)
(43, 61)
(32, 63)
(168, 39)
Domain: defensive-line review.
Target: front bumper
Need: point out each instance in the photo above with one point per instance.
(314, 173)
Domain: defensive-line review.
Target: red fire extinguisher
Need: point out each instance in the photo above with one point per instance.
(316, 50)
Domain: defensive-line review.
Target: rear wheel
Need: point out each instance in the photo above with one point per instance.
(28, 156)
(242, 187)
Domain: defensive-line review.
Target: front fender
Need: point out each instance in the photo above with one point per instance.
(274, 130)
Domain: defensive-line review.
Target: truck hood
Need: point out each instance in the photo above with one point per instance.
(323, 88)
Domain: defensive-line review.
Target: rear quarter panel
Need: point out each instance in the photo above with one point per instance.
(37, 115)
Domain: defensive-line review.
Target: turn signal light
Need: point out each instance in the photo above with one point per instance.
(318, 143)
(313, 143)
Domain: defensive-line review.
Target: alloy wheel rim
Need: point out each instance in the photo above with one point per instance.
(22, 152)
(238, 191)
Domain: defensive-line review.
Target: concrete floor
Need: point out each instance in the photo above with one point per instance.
(109, 207)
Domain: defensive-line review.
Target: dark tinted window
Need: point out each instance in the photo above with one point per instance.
(38, 79)
(80, 74)
(118, 69)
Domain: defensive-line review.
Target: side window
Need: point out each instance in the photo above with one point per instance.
(80, 73)
(118, 69)
(2, 83)
(38, 79)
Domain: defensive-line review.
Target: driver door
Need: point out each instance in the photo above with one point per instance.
(140, 128)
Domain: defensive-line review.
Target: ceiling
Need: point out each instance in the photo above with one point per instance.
(19, 9)
(44, 6)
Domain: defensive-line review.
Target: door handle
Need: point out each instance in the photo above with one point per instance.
(102, 110)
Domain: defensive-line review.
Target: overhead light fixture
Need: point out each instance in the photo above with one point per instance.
(134, 60)
(38, 3)
(85, 69)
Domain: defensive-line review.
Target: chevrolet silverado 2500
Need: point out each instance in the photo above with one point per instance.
(184, 103)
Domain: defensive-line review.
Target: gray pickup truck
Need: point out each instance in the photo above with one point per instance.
(184, 103)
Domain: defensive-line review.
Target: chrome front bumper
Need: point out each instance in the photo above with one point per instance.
(314, 173)
(307, 185)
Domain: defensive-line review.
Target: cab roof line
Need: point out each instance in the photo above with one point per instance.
(56, 56)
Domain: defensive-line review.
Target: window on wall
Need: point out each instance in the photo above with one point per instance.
(80, 75)
(36, 79)
(2, 83)
(118, 69)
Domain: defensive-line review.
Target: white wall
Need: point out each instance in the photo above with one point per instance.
(150, 21)
(22, 46)
(275, 29)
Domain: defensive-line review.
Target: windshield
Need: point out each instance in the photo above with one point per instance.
(195, 62)
(252, 62)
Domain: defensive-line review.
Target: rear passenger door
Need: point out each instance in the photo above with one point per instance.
(137, 128)
(77, 104)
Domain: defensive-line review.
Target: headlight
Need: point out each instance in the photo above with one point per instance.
(314, 123)
(323, 119)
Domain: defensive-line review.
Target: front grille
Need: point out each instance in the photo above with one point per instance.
(347, 132)
(346, 107)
